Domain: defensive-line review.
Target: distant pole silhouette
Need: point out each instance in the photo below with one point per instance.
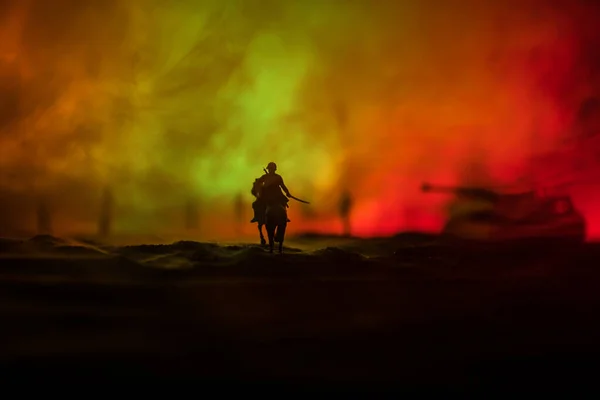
(192, 215)
(345, 204)
(238, 209)
(345, 208)
(44, 219)
(308, 213)
(106, 213)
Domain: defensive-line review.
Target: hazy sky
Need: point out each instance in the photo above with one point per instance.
(170, 100)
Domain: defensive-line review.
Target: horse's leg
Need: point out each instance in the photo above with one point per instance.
(262, 237)
(280, 243)
(281, 235)
(271, 235)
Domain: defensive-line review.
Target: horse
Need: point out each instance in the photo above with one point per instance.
(276, 222)
(261, 221)
(259, 210)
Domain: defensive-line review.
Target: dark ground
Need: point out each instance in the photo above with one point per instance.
(415, 314)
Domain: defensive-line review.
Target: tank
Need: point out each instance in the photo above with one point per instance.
(483, 214)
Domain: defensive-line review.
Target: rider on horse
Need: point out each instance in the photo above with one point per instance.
(267, 190)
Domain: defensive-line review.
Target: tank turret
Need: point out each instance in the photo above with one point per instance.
(483, 214)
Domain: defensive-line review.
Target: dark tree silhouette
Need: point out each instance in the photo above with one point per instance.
(345, 208)
(44, 219)
(106, 213)
(191, 214)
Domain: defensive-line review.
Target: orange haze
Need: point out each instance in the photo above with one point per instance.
(171, 103)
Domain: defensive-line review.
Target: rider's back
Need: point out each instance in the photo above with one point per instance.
(271, 190)
(271, 179)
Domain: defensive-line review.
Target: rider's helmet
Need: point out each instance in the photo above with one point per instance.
(272, 167)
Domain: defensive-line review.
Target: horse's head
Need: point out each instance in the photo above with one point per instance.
(256, 187)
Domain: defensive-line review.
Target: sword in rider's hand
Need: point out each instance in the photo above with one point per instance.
(297, 199)
(290, 196)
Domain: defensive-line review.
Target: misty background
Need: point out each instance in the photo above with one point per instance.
(174, 107)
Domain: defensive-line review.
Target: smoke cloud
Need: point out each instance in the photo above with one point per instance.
(164, 101)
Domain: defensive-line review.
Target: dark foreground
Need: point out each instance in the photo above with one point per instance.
(414, 314)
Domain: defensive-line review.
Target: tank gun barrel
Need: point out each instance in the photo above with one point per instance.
(427, 187)
(469, 192)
